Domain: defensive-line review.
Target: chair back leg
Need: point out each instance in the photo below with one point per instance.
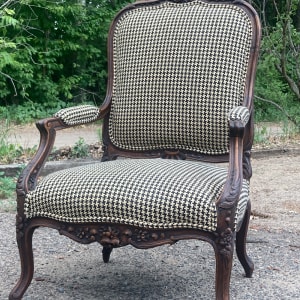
(241, 237)
(106, 251)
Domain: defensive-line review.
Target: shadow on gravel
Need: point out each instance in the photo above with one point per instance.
(66, 270)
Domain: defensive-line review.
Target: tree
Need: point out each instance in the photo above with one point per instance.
(8, 45)
(53, 54)
(278, 76)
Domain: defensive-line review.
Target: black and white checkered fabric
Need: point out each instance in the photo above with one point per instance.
(152, 193)
(178, 71)
(80, 114)
(240, 113)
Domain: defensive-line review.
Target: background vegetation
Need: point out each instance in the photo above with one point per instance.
(278, 74)
(53, 55)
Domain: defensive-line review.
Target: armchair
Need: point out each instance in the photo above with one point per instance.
(179, 101)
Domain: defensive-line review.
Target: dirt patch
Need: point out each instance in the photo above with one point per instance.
(26, 139)
(275, 193)
(28, 135)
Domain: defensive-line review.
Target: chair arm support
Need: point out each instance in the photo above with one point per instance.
(227, 203)
(27, 180)
(64, 118)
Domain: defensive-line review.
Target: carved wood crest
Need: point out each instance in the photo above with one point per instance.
(114, 235)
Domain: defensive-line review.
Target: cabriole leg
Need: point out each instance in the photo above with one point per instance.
(241, 237)
(224, 256)
(24, 239)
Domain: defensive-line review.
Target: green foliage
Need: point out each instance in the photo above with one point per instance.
(270, 85)
(53, 54)
(278, 73)
(10, 152)
(80, 149)
(260, 135)
(7, 186)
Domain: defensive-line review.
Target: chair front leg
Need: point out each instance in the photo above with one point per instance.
(241, 237)
(224, 255)
(24, 240)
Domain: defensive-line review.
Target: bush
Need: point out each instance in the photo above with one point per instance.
(53, 54)
(278, 74)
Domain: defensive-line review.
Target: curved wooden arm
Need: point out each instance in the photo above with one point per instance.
(227, 203)
(28, 179)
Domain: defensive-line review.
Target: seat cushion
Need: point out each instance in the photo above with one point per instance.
(152, 193)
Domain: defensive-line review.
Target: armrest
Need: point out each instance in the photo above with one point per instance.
(226, 205)
(239, 113)
(64, 118)
(77, 115)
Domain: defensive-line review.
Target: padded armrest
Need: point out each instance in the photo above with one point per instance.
(78, 115)
(239, 113)
(64, 118)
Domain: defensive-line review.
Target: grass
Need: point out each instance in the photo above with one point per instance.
(7, 193)
(272, 134)
(80, 149)
(7, 186)
(10, 152)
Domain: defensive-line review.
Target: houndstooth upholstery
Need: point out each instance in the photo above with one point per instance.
(240, 113)
(178, 69)
(153, 193)
(80, 114)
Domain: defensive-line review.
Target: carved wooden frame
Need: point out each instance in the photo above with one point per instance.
(117, 235)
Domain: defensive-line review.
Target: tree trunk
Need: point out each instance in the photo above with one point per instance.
(297, 17)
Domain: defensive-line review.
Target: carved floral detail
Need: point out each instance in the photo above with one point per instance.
(147, 236)
(21, 224)
(224, 240)
(112, 235)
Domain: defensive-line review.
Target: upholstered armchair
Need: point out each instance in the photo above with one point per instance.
(179, 101)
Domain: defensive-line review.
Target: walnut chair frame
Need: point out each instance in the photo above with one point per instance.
(229, 230)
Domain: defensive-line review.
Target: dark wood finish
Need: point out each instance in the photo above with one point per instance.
(106, 251)
(116, 235)
(241, 252)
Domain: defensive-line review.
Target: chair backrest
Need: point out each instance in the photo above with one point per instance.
(176, 68)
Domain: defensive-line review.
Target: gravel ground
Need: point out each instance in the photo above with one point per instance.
(67, 270)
